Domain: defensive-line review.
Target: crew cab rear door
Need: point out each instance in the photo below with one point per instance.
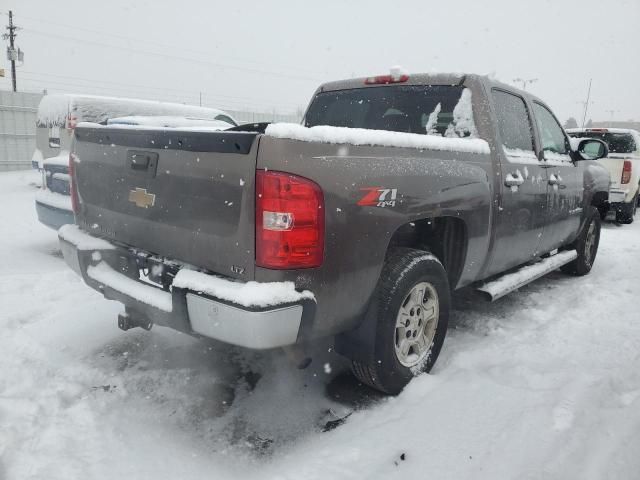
(522, 212)
(564, 201)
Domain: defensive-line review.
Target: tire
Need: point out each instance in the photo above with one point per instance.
(626, 211)
(586, 245)
(406, 273)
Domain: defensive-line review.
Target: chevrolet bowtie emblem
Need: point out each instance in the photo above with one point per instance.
(141, 198)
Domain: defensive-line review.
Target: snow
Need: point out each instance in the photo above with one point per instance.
(543, 383)
(361, 136)
(54, 199)
(463, 116)
(54, 109)
(601, 130)
(249, 294)
(170, 122)
(148, 295)
(82, 241)
(62, 160)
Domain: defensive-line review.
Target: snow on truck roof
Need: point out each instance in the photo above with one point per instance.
(385, 138)
(54, 109)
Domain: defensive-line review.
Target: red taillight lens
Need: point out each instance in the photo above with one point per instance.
(73, 187)
(626, 172)
(386, 79)
(289, 221)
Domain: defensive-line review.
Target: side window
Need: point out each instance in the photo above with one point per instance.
(551, 134)
(513, 121)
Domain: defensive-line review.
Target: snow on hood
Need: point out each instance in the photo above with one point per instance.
(361, 136)
(54, 109)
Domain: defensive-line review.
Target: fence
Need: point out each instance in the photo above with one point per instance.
(18, 126)
(17, 129)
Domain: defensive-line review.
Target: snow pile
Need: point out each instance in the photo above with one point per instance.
(54, 199)
(82, 240)
(361, 136)
(250, 294)
(463, 124)
(148, 295)
(55, 109)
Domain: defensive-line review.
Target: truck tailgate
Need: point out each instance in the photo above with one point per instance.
(184, 195)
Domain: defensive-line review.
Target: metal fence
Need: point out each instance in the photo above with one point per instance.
(17, 129)
(18, 126)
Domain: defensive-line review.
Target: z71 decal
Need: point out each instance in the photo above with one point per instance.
(379, 197)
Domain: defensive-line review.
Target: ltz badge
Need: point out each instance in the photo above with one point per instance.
(379, 197)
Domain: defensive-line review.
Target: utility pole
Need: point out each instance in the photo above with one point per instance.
(525, 81)
(11, 52)
(586, 104)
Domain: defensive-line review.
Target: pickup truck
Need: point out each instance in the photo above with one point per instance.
(356, 225)
(623, 164)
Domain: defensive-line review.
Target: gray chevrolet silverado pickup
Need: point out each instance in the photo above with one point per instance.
(356, 225)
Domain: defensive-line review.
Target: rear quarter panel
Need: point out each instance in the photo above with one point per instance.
(429, 184)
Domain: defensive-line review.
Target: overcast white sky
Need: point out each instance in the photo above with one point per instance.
(272, 54)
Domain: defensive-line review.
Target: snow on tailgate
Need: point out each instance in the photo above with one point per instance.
(250, 294)
(383, 138)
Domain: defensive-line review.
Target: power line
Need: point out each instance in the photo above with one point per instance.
(45, 77)
(175, 57)
(141, 40)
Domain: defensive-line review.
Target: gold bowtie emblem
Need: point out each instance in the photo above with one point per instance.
(141, 198)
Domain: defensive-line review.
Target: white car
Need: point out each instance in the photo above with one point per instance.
(623, 164)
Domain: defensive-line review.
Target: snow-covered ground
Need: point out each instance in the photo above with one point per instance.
(543, 384)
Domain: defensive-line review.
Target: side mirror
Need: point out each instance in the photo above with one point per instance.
(592, 149)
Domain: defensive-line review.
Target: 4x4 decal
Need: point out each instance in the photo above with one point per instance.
(379, 197)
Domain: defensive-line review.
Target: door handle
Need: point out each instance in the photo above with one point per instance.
(555, 179)
(514, 180)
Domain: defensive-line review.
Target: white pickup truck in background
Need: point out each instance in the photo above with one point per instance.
(623, 164)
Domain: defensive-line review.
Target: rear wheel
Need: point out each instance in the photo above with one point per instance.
(586, 245)
(411, 309)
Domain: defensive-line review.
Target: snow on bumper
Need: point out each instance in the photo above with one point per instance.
(252, 315)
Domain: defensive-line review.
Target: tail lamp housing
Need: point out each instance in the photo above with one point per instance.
(626, 172)
(289, 221)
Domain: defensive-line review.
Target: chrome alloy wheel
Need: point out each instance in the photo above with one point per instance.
(416, 324)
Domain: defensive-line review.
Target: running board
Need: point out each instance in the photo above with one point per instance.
(499, 287)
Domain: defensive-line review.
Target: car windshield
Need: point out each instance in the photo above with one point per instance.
(441, 110)
(617, 142)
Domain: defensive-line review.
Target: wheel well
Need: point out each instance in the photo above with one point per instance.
(445, 237)
(599, 199)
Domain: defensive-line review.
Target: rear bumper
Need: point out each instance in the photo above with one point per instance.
(53, 217)
(619, 195)
(112, 271)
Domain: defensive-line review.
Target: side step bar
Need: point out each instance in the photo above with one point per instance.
(499, 287)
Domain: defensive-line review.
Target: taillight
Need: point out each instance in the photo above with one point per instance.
(289, 221)
(386, 79)
(73, 187)
(626, 172)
